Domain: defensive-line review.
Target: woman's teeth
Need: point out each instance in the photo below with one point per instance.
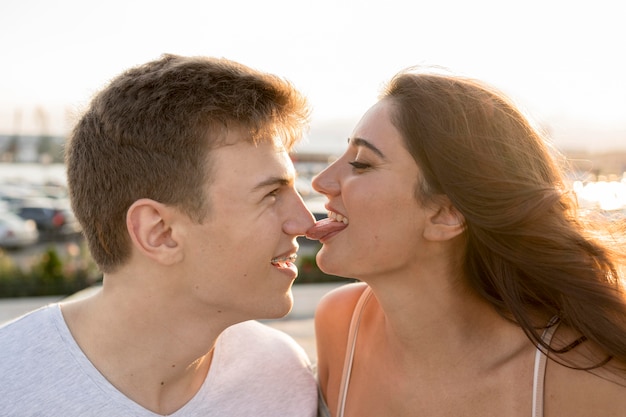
(337, 217)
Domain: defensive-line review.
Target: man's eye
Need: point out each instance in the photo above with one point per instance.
(359, 165)
(274, 192)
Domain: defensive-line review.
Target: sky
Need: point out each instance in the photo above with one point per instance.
(562, 61)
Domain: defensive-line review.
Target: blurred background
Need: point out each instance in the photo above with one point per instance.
(561, 61)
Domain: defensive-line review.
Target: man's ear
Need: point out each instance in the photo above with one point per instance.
(149, 224)
(445, 222)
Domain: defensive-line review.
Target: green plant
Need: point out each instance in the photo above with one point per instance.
(48, 273)
(309, 272)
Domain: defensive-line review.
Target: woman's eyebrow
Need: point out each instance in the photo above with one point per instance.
(363, 142)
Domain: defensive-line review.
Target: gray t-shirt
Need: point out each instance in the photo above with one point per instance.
(256, 371)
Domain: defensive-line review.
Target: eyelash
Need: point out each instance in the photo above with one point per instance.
(359, 165)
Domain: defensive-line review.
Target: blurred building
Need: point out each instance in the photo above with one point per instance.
(31, 148)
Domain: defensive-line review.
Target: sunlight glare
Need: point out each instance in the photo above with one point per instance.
(604, 194)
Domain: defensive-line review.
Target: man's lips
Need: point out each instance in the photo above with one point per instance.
(286, 263)
(284, 260)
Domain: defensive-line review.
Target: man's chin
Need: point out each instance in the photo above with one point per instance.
(281, 308)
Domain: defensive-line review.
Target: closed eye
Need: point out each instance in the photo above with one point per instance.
(359, 165)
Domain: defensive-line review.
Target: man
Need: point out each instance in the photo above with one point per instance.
(180, 176)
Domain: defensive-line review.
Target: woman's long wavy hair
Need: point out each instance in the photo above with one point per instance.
(528, 251)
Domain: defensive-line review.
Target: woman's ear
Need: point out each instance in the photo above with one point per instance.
(149, 224)
(445, 222)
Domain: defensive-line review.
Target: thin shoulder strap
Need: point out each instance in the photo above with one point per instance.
(350, 348)
(541, 359)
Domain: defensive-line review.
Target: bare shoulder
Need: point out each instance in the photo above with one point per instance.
(332, 323)
(600, 392)
(341, 300)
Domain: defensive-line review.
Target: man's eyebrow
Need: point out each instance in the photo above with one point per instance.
(363, 142)
(274, 181)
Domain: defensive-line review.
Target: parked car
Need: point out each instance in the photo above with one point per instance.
(12, 195)
(54, 218)
(16, 232)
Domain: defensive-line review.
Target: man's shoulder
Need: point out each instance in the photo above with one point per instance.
(28, 338)
(33, 357)
(258, 364)
(259, 339)
(260, 333)
(30, 325)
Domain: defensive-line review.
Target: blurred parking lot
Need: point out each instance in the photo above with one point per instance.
(34, 196)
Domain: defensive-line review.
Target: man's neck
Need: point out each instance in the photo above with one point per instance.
(154, 356)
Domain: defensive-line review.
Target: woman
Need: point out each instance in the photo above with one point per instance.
(483, 293)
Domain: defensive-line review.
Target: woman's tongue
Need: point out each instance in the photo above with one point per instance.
(324, 227)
